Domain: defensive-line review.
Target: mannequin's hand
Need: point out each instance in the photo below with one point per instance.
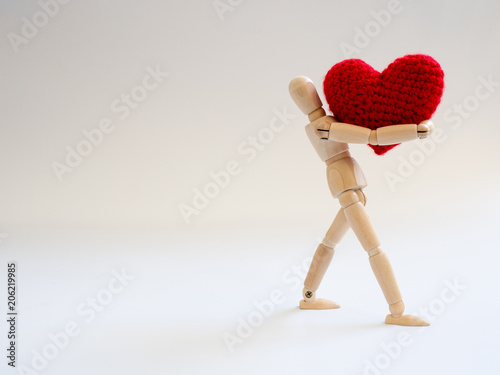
(424, 129)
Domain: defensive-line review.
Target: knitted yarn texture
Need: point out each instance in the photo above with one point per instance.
(408, 91)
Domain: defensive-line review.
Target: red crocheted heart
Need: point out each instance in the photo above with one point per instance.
(408, 91)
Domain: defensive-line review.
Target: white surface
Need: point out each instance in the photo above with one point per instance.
(188, 292)
(119, 209)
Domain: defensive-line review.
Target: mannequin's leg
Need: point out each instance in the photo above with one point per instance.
(319, 265)
(353, 202)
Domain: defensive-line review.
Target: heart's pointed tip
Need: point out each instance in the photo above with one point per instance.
(382, 150)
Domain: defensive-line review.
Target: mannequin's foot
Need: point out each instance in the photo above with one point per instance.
(319, 304)
(406, 320)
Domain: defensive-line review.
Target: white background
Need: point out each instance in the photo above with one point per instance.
(196, 280)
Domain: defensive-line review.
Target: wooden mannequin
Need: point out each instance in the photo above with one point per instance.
(346, 181)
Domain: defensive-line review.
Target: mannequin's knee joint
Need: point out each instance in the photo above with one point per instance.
(329, 244)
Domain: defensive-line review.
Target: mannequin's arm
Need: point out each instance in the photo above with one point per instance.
(328, 128)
